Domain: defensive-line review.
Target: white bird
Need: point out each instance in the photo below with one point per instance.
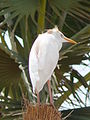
(44, 57)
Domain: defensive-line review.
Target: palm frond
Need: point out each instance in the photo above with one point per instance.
(66, 94)
(10, 74)
(79, 113)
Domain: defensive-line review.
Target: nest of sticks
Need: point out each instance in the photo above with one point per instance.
(41, 112)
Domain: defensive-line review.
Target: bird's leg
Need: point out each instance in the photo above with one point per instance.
(38, 98)
(50, 93)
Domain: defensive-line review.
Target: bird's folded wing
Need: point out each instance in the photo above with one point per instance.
(33, 68)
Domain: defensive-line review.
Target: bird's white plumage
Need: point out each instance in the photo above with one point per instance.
(43, 58)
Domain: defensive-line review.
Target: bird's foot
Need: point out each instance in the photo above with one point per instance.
(39, 104)
(52, 104)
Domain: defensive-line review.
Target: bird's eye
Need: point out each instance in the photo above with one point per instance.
(62, 35)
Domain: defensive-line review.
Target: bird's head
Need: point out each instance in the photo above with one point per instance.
(55, 31)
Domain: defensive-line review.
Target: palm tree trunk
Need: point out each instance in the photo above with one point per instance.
(41, 17)
(41, 112)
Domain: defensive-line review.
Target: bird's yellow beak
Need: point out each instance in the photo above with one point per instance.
(69, 40)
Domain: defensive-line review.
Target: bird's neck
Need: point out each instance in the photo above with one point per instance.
(59, 43)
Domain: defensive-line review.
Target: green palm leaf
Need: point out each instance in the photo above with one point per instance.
(10, 74)
(79, 113)
(22, 8)
(66, 94)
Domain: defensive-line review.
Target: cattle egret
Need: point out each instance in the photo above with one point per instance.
(43, 59)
